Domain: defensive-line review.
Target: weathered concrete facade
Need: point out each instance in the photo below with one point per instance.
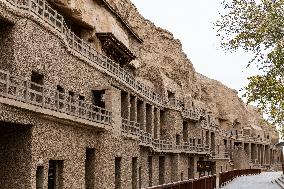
(92, 97)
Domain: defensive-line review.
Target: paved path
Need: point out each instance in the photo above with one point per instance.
(262, 181)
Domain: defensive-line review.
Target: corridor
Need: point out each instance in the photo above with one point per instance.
(262, 181)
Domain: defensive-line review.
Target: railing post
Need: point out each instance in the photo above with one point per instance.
(27, 92)
(57, 101)
(7, 83)
(43, 96)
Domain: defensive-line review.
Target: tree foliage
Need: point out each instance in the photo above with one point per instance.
(257, 26)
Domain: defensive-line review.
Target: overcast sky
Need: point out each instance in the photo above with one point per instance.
(192, 23)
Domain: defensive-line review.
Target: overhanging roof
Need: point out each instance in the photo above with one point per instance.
(115, 48)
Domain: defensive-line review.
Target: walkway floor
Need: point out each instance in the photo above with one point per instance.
(262, 181)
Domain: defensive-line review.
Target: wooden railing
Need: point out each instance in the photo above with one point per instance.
(202, 183)
(19, 89)
(227, 177)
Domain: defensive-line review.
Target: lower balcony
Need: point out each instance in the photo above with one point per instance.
(18, 92)
(132, 130)
(221, 155)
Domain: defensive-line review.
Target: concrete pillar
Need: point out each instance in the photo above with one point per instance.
(113, 103)
(133, 108)
(247, 148)
(175, 168)
(157, 123)
(125, 105)
(267, 151)
(273, 156)
(195, 172)
(149, 119)
(258, 153)
(263, 154)
(270, 157)
(141, 114)
(190, 167)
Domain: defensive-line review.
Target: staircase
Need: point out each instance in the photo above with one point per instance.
(280, 182)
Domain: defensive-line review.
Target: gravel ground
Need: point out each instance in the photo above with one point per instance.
(262, 181)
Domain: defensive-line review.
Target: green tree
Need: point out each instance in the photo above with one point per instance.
(257, 26)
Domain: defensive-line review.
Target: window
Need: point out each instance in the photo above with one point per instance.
(117, 181)
(177, 139)
(171, 95)
(37, 78)
(199, 141)
(140, 177)
(37, 81)
(39, 177)
(225, 142)
(99, 98)
(185, 131)
(90, 168)
(55, 174)
(71, 94)
(61, 95)
(134, 172)
(36, 85)
(161, 170)
(81, 98)
(150, 170)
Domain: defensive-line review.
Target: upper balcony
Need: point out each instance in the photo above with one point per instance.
(18, 92)
(41, 11)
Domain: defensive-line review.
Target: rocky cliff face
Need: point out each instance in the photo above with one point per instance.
(163, 62)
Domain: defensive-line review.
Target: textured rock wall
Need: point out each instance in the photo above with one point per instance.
(162, 65)
(164, 54)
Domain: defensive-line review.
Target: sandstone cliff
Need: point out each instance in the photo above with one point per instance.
(162, 61)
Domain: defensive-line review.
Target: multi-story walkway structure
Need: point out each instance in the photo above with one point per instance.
(79, 110)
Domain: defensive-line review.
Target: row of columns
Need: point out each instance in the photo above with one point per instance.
(263, 153)
(148, 116)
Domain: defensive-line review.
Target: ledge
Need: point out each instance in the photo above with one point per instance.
(53, 114)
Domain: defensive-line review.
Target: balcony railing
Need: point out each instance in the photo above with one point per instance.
(190, 113)
(132, 129)
(19, 89)
(175, 104)
(222, 155)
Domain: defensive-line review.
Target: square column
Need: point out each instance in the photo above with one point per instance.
(141, 114)
(157, 123)
(133, 108)
(149, 119)
(113, 103)
(125, 105)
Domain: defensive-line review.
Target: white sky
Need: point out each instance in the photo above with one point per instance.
(192, 23)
